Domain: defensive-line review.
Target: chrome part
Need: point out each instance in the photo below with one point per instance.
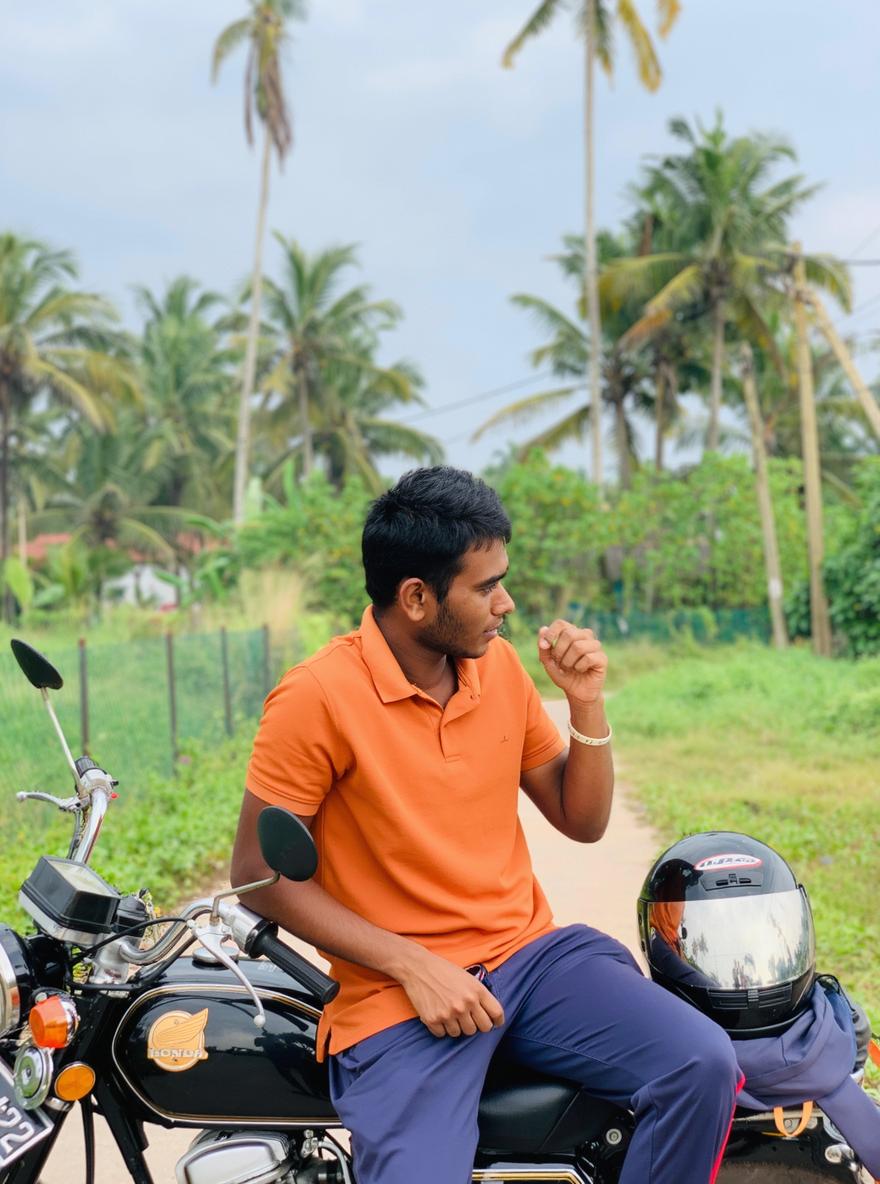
(97, 788)
(215, 907)
(32, 1075)
(241, 922)
(743, 941)
(614, 1137)
(555, 1173)
(76, 937)
(89, 805)
(57, 1105)
(81, 789)
(212, 940)
(221, 1157)
(178, 931)
(309, 1143)
(10, 995)
(839, 1153)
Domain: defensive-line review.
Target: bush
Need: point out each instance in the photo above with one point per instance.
(851, 573)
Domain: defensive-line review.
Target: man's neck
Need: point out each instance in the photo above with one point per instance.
(433, 673)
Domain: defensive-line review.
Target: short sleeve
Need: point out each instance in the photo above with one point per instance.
(298, 752)
(542, 739)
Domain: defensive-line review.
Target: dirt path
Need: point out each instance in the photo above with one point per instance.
(597, 884)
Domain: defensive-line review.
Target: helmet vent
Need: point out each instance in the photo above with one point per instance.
(736, 1000)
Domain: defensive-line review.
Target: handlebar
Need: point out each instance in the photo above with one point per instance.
(266, 942)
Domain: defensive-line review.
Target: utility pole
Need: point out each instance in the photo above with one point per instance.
(820, 625)
(845, 359)
(591, 272)
(765, 502)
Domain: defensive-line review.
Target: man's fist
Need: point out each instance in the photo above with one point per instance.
(574, 659)
(449, 1001)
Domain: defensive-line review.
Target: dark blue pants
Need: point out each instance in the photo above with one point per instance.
(576, 1006)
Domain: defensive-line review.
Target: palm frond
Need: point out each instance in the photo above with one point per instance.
(536, 24)
(525, 409)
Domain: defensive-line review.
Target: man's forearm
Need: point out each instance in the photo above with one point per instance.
(311, 913)
(588, 780)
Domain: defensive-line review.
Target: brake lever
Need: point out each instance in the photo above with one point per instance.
(68, 805)
(211, 938)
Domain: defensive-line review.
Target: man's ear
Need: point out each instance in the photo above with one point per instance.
(415, 598)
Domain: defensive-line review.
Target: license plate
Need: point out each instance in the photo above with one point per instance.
(19, 1129)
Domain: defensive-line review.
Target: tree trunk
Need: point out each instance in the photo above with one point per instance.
(4, 498)
(717, 375)
(845, 359)
(820, 624)
(305, 426)
(660, 383)
(22, 531)
(765, 502)
(243, 436)
(591, 277)
(624, 470)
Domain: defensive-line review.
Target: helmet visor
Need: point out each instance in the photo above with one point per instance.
(739, 941)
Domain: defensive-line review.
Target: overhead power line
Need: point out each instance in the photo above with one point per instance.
(479, 398)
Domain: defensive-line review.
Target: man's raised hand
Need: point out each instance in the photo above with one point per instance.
(574, 659)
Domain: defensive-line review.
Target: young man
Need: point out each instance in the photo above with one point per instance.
(403, 746)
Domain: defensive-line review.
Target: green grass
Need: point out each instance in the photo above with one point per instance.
(784, 747)
(171, 837)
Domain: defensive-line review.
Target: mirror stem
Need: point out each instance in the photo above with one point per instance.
(81, 789)
(215, 907)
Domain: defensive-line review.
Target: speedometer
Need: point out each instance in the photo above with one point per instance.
(69, 900)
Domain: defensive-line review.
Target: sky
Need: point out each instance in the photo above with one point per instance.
(456, 178)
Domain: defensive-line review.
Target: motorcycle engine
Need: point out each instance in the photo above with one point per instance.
(250, 1157)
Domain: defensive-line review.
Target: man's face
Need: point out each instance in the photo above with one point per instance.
(476, 604)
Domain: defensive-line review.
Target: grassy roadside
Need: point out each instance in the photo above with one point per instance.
(782, 746)
(170, 836)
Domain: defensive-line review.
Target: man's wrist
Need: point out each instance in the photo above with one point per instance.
(403, 956)
(589, 717)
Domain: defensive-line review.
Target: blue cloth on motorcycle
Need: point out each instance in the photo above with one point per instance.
(814, 1061)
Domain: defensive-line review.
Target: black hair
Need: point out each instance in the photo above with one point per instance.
(423, 526)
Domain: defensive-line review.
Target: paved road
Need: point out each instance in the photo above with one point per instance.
(598, 884)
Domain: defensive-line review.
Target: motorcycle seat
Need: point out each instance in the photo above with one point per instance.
(527, 1112)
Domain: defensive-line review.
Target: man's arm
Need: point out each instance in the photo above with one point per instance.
(448, 1000)
(574, 790)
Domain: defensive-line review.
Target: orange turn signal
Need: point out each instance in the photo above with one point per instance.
(53, 1022)
(74, 1082)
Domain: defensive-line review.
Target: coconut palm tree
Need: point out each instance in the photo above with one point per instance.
(264, 30)
(625, 375)
(721, 250)
(187, 374)
(595, 20)
(57, 345)
(313, 325)
(350, 429)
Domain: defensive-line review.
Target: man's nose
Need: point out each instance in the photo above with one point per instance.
(504, 604)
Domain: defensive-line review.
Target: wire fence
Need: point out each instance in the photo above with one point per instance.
(134, 706)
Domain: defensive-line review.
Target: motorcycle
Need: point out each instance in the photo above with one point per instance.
(211, 1025)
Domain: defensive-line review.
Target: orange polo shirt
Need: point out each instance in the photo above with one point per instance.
(416, 807)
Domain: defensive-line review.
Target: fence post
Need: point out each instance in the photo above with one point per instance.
(172, 698)
(267, 661)
(227, 698)
(83, 697)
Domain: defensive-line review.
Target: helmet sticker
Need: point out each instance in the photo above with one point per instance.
(730, 861)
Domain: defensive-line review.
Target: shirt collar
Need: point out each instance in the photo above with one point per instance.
(388, 677)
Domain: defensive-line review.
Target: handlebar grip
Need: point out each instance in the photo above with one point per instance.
(266, 943)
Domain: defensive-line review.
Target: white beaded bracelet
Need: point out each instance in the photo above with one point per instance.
(591, 740)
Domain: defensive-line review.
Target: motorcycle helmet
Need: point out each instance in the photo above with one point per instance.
(724, 924)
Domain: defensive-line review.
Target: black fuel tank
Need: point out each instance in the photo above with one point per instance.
(190, 1052)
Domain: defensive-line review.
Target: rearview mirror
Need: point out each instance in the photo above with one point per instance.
(286, 845)
(38, 670)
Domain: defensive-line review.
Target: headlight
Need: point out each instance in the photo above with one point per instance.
(13, 972)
